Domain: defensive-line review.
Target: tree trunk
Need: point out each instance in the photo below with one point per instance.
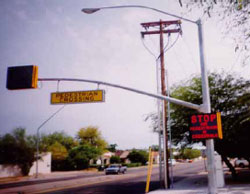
(230, 166)
(248, 159)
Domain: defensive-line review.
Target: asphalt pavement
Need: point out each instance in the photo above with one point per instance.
(197, 184)
(188, 179)
(79, 182)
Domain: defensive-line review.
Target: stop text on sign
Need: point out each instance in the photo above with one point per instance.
(77, 97)
(206, 126)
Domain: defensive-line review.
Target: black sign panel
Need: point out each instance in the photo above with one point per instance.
(22, 77)
(206, 126)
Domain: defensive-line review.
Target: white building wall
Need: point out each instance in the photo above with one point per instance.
(44, 166)
(9, 171)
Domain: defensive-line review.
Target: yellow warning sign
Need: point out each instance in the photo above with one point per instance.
(77, 97)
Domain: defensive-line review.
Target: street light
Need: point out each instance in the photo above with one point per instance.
(206, 106)
(37, 136)
(93, 10)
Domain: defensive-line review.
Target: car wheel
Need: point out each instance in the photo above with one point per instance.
(241, 165)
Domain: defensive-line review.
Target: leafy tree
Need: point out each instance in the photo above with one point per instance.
(155, 148)
(59, 143)
(59, 152)
(59, 155)
(48, 140)
(16, 149)
(112, 147)
(80, 156)
(92, 137)
(233, 15)
(115, 160)
(230, 96)
(138, 156)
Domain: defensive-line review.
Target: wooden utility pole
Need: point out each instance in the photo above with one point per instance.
(163, 29)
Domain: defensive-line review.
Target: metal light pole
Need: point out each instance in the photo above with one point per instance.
(170, 135)
(206, 107)
(37, 136)
(159, 123)
(212, 183)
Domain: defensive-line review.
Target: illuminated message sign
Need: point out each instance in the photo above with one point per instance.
(77, 97)
(206, 126)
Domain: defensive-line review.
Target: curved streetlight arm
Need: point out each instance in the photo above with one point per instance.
(50, 118)
(93, 10)
(205, 107)
(37, 136)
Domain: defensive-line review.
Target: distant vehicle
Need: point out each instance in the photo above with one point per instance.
(173, 163)
(116, 169)
(241, 163)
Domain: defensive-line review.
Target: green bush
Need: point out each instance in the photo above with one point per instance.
(18, 149)
(138, 156)
(59, 165)
(115, 160)
(189, 153)
(134, 165)
(79, 157)
(94, 166)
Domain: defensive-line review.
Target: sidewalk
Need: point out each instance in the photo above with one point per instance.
(54, 175)
(197, 184)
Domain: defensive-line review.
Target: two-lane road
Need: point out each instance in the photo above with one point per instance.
(136, 185)
(133, 182)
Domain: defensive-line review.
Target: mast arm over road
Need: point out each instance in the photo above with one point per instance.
(169, 99)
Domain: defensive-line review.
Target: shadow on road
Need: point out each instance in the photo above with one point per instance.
(111, 188)
(243, 177)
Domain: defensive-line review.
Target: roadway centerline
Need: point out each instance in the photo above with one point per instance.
(52, 186)
(105, 180)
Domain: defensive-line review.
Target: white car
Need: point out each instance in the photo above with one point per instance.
(115, 169)
(241, 163)
(172, 162)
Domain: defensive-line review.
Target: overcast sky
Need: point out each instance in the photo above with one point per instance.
(105, 46)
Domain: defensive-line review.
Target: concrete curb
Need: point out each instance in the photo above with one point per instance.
(236, 189)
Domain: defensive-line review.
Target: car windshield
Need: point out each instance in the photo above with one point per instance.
(113, 166)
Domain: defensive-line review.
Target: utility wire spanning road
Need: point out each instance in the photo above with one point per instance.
(133, 182)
